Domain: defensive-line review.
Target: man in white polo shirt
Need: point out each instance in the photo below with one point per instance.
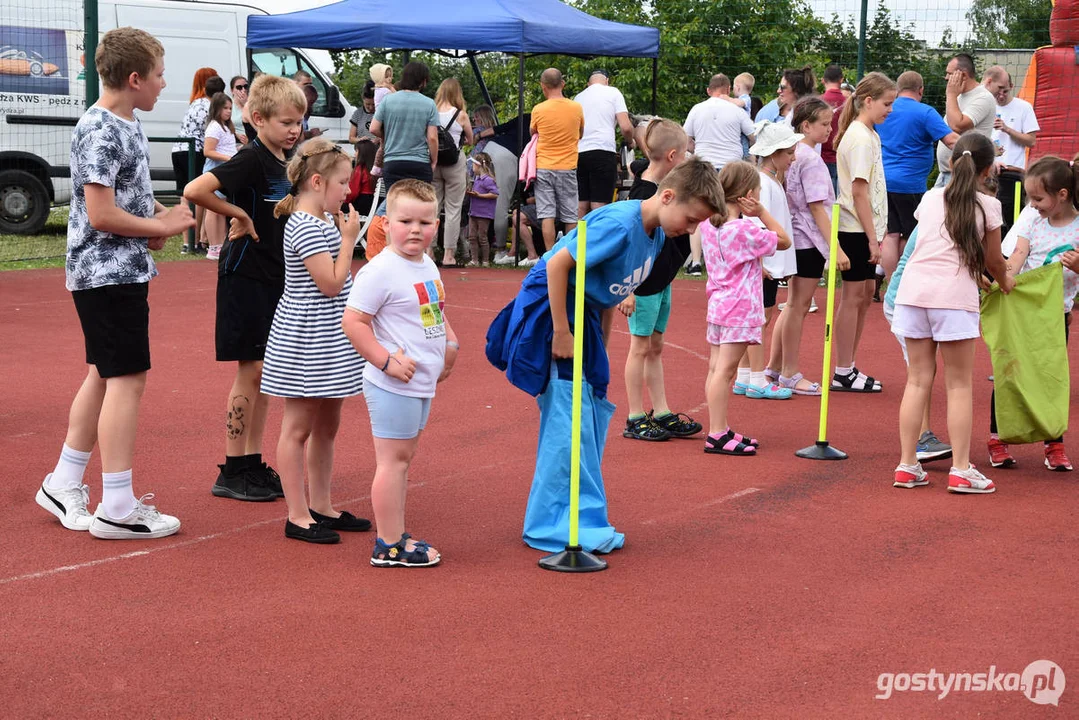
(597, 159)
(969, 107)
(1014, 132)
(715, 126)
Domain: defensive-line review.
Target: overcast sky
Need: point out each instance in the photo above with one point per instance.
(930, 17)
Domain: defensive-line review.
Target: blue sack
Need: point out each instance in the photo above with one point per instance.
(546, 525)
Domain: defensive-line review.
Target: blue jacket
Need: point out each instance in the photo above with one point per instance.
(519, 339)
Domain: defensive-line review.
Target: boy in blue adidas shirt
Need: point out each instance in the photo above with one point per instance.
(624, 240)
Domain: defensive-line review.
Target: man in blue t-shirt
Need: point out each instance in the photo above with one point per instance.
(907, 139)
(534, 332)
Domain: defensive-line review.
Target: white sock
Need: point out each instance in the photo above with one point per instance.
(117, 496)
(843, 370)
(743, 375)
(69, 469)
(758, 379)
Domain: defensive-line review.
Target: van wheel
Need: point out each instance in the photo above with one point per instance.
(24, 203)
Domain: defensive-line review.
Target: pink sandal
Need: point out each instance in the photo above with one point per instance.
(791, 384)
(729, 444)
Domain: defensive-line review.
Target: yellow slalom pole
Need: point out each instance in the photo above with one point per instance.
(574, 558)
(578, 380)
(1018, 198)
(829, 313)
(822, 450)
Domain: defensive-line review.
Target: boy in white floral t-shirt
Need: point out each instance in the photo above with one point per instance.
(114, 222)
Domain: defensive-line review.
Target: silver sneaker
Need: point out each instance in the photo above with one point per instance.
(69, 505)
(144, 523)
(931, 448)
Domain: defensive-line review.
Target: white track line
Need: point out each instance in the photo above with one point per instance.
(161, 548)
(710, 503)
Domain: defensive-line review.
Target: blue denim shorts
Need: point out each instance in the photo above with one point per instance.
(394, 416)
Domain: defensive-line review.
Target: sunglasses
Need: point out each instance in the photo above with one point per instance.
(240, 87)
(784, 87)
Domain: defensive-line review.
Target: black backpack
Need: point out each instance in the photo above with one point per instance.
(448, 152)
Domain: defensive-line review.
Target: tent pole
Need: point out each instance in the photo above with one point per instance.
(655, 84)
(483, 86)
(521, 148)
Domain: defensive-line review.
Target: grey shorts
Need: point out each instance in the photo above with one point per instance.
(556, 195)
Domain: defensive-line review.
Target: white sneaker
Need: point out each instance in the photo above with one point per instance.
(504, 260)
(144, 523)
(813, 305)
(528, 262)
(69, 505)
(499, 257)
(214, 252)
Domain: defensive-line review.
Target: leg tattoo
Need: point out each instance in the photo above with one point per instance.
(236, 418)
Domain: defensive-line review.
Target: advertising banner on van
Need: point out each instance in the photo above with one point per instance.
(40, 69)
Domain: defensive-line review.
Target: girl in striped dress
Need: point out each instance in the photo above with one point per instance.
(309, 361)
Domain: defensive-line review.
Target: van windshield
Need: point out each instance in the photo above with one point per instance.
(287, 63)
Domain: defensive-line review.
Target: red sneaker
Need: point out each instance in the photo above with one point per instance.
(969, 481)
(910, 476)
(999, 455)
(1055, 459)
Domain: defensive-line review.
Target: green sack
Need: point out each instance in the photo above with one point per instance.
(1025, 334)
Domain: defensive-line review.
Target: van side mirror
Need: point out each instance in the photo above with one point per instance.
(334, 108)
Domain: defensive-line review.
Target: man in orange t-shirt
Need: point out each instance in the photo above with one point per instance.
(559, 122)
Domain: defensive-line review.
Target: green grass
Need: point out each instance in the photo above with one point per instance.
(47, 249)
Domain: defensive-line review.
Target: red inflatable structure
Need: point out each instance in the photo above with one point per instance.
(1052, 85)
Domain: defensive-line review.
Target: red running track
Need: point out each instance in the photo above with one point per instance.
(765, 587)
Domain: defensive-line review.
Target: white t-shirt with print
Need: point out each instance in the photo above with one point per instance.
(782, 263)
(226, 141)
(1019, 116)
(981, 107)
(717, 127)
(859, 156)
(407, 300)
(601, 104)
(113, 152)
(194, 124)
(1044, 239)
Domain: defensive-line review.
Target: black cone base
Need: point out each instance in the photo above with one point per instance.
(821, 451)
(574, 559)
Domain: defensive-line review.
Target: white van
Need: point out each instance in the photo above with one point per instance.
(42, 86)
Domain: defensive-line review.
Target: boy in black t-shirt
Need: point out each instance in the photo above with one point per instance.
(251, 276)
(649, 306)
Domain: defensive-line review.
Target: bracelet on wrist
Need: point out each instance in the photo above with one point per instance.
(453, 344)
(386, 364)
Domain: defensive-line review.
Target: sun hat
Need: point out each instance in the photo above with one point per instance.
(772, 137)
(378, 72)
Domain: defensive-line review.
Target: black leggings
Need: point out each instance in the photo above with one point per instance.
(993, 397)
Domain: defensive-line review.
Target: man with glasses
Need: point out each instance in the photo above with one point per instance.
(970, 107)
(1015, 131)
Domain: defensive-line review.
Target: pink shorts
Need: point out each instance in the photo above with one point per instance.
(724, 335)
(942, 325)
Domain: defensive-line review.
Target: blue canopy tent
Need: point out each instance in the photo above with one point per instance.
(520, 27)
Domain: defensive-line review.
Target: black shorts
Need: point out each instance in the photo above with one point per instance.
(115, 322)
(771, 289)
(597, 176)
(179, 169)
(856, 246)
(810, 263)
(395, 170)
(901, 207)
(245, 310)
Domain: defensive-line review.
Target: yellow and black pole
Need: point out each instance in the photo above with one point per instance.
(575, 558)
(821, 450)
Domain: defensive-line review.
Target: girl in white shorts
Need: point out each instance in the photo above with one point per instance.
(937, 304)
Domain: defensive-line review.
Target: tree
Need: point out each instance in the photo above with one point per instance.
(1010, 23)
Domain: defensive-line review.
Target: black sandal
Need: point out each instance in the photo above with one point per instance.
(317, 533)
(643, 428)
(845, 383)
(347, 522)
(679, 425)
(397, 555)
